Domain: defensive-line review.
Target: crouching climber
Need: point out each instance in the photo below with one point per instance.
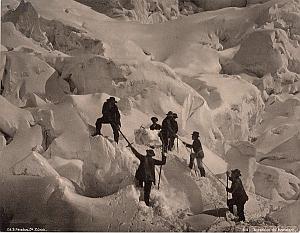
(239, 195)
(145, 173)
(155, 125)
(198, 153)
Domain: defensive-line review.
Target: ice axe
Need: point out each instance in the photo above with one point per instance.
(227, 173)
(162, 153)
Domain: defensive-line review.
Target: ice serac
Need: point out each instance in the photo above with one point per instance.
(13, 118)
(106, 168)
(68, 131)
(24, 74)
(34, 164)
(91, 74)
(242, 155)
(264, 57)
(26, 20)
(276, 184)
(144, 11)
(22, 144)
(68, 168)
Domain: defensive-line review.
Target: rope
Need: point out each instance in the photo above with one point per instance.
(206, 167)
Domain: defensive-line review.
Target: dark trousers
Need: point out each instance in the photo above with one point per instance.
(194, 156)
(165, 142)
(171, 142)
(147, 190)
(113, 125)
(240, 208)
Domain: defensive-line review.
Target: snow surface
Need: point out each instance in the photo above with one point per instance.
(231, 74)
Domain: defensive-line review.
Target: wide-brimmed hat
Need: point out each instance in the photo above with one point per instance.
(154, 119)
(170, 113)
(175, 115)
(236, 172)
(195, 133)
(112, 99)
(150, 152)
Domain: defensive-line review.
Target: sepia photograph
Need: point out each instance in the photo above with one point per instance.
(150, 116)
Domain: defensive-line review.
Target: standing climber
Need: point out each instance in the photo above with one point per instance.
(145, 173)
(239, 195)
(173, 136)
(198, 153)
(155, 125)
(110, 115)
(167, 131)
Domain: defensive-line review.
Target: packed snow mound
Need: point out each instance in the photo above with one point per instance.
(25, 74)
(276, 184)
(235, 116)
(288, 215)
(145, 136)
(68, 168)
(107, 168)
(12, 118)
(68, 133)
(37, 199)
(34, 165)
(22, 144)
(145, 11)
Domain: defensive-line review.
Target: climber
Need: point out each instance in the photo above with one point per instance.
(110, 115)
(146, 170)
(173, 136)
(198, 153)
(155, 125)
(239, 195)
(167, 131)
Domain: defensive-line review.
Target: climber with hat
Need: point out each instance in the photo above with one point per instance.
(110, 115)
(173, 136)
(197, 153)
(145, 173)
(155, 125)
(239, 195)
(167, 131)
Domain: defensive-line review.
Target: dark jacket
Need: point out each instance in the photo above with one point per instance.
(197, 147)
(239, 194)
(166, 127)
(146, 169)
(155, 127)
(111, 112)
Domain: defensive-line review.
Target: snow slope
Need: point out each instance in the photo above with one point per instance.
(231, 74)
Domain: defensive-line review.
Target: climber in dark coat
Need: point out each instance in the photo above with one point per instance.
(198, 153)
(239, 195)
(146, 170)
(173, 136)
(155, 125)
(167, 131)
(110, 115)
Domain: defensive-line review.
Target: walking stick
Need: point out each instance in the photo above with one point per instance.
(177, 144)
(227, 186)
(162, 152)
